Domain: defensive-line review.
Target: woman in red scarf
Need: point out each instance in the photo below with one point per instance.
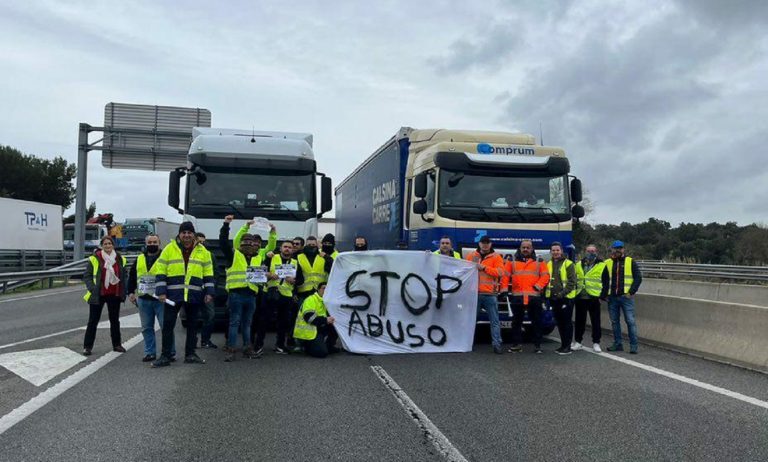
(105, 277)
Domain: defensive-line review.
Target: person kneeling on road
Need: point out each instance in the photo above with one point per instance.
(314, 327)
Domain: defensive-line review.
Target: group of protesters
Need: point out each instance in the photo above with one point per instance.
(286, 285)
(264, 284)
(531, 285)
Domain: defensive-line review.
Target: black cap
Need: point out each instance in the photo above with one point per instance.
(186, 226)
(485, 239)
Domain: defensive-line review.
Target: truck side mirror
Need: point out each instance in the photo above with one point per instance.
(576, 190)
(420, 207)
(577, 211)
(326, 195)
(420, 186)
(174, 180)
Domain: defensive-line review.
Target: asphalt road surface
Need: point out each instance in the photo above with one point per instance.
(658, 405)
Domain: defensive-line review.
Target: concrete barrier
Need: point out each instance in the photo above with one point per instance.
(726, 322)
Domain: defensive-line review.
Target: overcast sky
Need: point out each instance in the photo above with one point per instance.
(661, 106)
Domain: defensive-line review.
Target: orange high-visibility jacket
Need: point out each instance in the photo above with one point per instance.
(525, 279)
(494, 269)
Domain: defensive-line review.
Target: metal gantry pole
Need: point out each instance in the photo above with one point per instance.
(80, 197)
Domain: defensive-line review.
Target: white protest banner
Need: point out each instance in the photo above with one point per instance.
(395, 301)
(256, 274)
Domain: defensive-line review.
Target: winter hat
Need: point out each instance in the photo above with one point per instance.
(186, 226)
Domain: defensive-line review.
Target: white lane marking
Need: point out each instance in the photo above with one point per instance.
(41, 295)
(433, 434)
(131, 321)
(26, 409)
(678, 377)
(40, 366)
(41, 337)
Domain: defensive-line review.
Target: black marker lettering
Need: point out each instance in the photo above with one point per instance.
(356, 293)
(405, 295)
(441, 292)
(384, 288)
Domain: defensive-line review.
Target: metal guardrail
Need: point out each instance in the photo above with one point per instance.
(14, 280)
(705, 271)
(30, 260)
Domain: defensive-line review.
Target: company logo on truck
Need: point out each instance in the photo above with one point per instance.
(485, 148)
(385, 203)
(36, 221)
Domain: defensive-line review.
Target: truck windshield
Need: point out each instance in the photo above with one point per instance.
(504, 198)
(271, 194)
(91, 234)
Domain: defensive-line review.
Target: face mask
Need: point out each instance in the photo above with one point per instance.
(327, 248)
(591, 257)
(153, 248)
(311, 250)
(361, 247)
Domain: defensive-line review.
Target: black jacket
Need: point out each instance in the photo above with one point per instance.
(615, 285)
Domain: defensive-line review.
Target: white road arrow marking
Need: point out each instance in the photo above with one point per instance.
(40, 366)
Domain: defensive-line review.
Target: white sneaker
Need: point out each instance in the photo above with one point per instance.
(576, 346)
(597, 348)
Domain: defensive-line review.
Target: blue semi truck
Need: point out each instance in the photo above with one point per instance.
(421, 185)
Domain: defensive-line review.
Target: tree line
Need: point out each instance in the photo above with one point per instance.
(655, 239)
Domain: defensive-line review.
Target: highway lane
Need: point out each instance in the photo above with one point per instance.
(38, 313)
(490, 407)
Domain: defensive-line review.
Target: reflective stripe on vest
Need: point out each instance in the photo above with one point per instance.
(313, 274)
(456, 255)
(286, 290)
(236, 274)
(313, 304)
(563, 278)
(592, 282)
(199, 266)
(628, 277)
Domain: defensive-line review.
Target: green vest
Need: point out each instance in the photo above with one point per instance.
(313, 274)
(95, 268)
(286, 290)
(335, 254)
(237, 273)
(563, 278)
(313, 304)
(143, 272)
(456, 254)
(592, 282)
(628, 278)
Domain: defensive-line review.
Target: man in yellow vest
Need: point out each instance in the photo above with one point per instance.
(446, 248)
(328, 246)
(624, 280)
(589, 271)
(561, 291)
(245, 277)
(314, 327)
(184, 276)
(314, 269)
(284, 275)
(141, 292)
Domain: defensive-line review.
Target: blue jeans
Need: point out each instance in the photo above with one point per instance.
(241, 309)
(149, 309)
(616, 305)
(491, 305)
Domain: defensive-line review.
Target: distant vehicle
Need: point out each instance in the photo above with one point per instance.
(30, 225)
(114, 229)
(249, 174)
(94, 232)
(421, 185)
(136, 230)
